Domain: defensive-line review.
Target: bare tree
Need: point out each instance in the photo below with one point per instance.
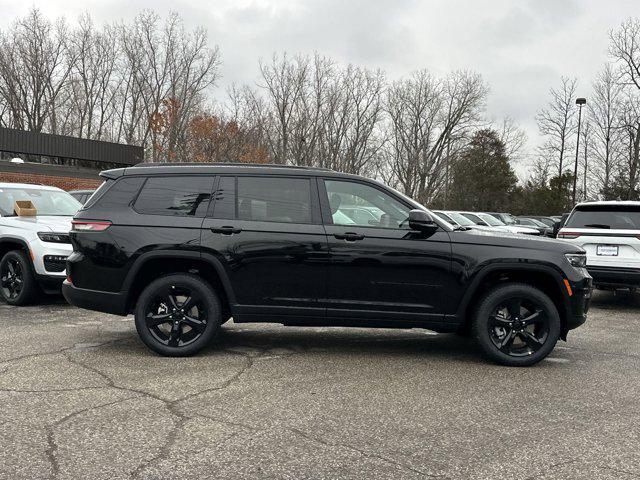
(170, 73)
(429, 118)
(604, 115)
(513, 137)
(33, 71)
(556, 122)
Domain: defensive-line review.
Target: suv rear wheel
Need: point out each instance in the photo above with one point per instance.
(17, 282)
(177, 315)
(516, 325)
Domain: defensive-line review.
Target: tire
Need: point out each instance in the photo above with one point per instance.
(18, 285)
(177, 315)
(516, 339)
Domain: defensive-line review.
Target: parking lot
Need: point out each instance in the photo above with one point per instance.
(81, 397)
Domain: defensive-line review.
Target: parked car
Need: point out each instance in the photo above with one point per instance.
(548, 221)
(460, 221)
(610, 234)
(33, 249)
(538, 225)
(186, 247)
(81, 195)
(505, 218)
(485, 219)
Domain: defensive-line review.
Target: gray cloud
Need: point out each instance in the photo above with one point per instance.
(520, 47)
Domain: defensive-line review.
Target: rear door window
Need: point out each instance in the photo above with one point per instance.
(183, 196)
(274, 199)
(623, 217)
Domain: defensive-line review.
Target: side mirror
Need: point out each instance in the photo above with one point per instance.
(422, 221)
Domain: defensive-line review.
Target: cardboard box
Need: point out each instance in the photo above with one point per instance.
(24, 208)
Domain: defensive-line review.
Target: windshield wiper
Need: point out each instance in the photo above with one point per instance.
(597, 225)
(460, 228)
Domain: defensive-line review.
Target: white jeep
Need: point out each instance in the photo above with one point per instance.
(610, 233)
(34, 245)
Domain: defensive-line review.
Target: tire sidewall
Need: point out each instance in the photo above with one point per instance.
(28, 286)
(212, 303)
(491, 301)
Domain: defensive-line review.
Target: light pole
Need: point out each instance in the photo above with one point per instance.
(580, 102)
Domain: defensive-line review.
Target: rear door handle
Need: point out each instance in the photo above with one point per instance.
(226, 230)
(349, 236)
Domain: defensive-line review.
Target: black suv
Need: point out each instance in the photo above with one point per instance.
(187, 247)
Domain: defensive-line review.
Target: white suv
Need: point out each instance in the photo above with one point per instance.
(610, 233)
(34, 249)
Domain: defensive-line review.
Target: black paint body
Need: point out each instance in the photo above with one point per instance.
(305, 274)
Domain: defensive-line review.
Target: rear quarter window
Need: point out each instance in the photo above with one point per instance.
(113, 195)
(184, 196)
(624, 217)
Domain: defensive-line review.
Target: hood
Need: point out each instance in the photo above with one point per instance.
(516, 240)
(39, 223)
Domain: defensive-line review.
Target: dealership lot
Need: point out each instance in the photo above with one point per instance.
(82, 397)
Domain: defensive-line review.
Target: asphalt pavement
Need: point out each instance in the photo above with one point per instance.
(82, 398)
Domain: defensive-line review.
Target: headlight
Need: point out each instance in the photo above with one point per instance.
(578, 260)
(54, 237)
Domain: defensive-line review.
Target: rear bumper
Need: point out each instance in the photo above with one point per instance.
(108, 302)
(615, 277)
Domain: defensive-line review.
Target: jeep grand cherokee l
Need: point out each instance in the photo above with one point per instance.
(186, 247)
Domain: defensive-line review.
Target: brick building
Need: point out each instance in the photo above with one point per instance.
(65, 162)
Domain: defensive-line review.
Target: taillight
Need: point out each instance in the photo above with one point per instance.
(89, 226)
(568, 235)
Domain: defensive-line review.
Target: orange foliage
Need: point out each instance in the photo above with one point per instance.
(214, 140)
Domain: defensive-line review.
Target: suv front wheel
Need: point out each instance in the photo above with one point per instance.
(177, 315)
(516, 325)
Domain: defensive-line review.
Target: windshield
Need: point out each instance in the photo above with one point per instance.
(490, 219)
(460, 219)
(47, 202)
(623, 217)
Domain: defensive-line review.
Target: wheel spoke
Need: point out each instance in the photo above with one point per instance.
(174, 336)
(189, 303)
(173, 303)
(11, 268)
(159, 319)
(530, 339)
(533, 318)
(513, 307)
(505, 322)
(197, 325)
(505, 346)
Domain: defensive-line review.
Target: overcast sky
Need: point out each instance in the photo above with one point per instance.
(521, 47)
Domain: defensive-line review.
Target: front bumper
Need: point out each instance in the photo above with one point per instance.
(615, 277)
(579, 302)
(49, 284)
(108, 302)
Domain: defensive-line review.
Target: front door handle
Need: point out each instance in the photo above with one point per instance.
(349, 236)
(226, 230)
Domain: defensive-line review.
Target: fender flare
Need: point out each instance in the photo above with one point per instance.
(512, 266)
(214, 262)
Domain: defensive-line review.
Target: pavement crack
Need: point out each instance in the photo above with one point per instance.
(364, 453)
(52, 447)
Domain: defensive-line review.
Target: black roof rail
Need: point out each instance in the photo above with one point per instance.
(230, 164)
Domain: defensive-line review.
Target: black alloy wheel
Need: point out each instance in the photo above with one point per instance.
(11, 279)
(516, 324)
(519, 327)
(178, 314)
